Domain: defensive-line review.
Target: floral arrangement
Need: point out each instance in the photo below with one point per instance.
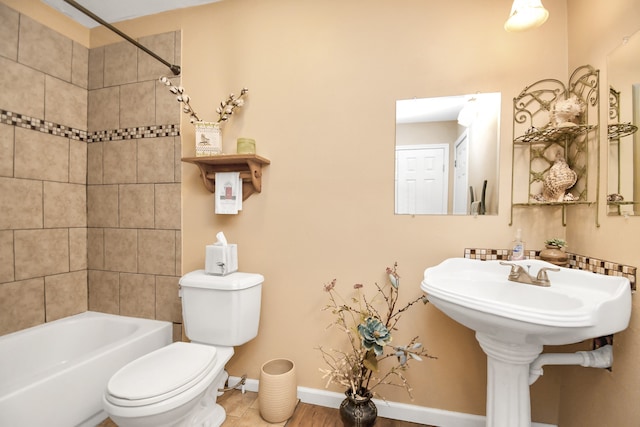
(566, 111)
(556, 241)
(225, 110)
(368, 324)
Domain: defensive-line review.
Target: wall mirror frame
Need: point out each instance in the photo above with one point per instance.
(623, 177)
(447, 155)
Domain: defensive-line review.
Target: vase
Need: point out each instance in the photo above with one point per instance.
(208, 139)
(358, 411)
(277, 390)
(554, 255)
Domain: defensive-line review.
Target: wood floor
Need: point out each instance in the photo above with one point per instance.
(319, 416)
(242, 411)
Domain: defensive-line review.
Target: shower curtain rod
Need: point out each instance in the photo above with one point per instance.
(174, 68)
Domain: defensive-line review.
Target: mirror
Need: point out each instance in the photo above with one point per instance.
(447, 155)
(623, 69)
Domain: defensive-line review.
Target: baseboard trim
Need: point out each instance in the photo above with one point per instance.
(393, 410)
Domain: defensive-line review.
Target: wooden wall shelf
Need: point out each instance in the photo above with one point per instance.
(249, 166)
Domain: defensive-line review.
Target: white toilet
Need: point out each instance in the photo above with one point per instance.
(177, 385)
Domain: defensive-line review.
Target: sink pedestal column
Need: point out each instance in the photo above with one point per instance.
(508, 399)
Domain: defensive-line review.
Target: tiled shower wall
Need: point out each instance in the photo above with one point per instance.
(133, 182)
(89, 178)
(43, 218)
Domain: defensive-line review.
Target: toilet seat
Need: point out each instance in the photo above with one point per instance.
(161, 375)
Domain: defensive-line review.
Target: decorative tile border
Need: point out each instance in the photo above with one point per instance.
(20, 120)
(154, 131)
(32, 123)
(576, 261)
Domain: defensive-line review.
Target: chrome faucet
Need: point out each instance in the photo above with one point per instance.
(518, 274)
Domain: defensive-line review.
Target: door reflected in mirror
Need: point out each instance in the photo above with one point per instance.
(623, 70)
(447, 155)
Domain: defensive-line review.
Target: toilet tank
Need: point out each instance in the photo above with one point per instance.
(221, 310)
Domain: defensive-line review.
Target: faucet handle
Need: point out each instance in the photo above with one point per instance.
(542, 278)
(515, 268)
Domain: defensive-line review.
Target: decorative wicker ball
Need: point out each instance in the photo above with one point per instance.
(558, 180)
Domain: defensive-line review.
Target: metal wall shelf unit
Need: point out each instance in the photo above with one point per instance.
(538, 140)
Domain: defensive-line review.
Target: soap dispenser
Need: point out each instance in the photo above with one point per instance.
(517, 248)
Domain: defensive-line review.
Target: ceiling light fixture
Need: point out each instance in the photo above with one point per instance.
(468, 113)
(526, 14)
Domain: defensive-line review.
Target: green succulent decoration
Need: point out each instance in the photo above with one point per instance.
(374, 335)
(556, 241)
(369, 323)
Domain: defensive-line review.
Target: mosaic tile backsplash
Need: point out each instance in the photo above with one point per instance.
(579, 262)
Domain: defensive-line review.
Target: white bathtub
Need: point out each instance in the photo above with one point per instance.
(54, 374)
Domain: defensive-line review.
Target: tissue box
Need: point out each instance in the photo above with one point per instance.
(221, 259)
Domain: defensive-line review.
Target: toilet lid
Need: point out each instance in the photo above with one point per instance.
(161, 374)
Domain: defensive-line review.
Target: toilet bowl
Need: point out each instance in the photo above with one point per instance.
(178, 385)
(163, 388)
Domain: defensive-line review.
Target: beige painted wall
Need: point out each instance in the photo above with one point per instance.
(323, 80)
(595, 29)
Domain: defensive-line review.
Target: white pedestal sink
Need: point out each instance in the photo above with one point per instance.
(513, 321)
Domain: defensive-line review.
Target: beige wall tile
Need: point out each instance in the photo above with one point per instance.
(136, 205)
(120, 64)
(77, 161)
(177, 332)
(6, 150)
(27, 89)
(104, 109)
(119, 161)
(156, 160)
(9, 32)
(39, 155)
(41, 252)
(177, 166)
(80, 65)
(168, 109)
(137, 104)
(156, 252)
(163, 45)
(168, 303)
(94, 163)
(96, 68)
(178, 51)
(65, 103)
(95, 248)
(21, 305)
(179, 253)
(167, 206)
(44, 49)
(137, 295)
(102, 205)
(65, 295)
(77, 249)
(6, 255)
(21, 201)
(65, 205)
(104, 291)
(120, 246)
